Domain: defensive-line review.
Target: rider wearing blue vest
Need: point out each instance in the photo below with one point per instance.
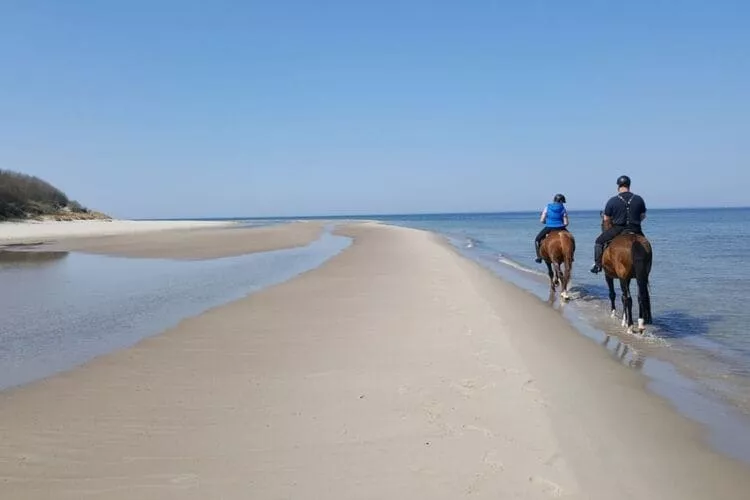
(554, 217)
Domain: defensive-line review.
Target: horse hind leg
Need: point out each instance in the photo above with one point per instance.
(566, 281)
(644, 306)
(551, 276)
(558, 273)
(627, 304)
(612, 295)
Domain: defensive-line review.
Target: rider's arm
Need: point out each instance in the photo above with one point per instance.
(543, 218)
(643, 214)
(608, 209)
(565, 219)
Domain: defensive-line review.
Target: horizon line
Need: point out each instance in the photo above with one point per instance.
(403, 214)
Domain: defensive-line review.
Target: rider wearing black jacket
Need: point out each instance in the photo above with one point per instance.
(626, 210)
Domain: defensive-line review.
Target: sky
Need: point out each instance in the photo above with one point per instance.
(181, 108)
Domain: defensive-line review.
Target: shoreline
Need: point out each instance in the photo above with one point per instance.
(419, 372)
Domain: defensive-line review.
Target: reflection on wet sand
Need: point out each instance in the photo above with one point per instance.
(21, 258)
(636, 359)
(624, 353)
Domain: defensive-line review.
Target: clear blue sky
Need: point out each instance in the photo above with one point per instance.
(186, 108)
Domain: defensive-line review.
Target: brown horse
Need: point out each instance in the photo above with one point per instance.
(557, 250)
(628, 256)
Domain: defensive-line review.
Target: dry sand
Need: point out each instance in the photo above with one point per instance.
(194, 242)
(396, 370)
(36, 231)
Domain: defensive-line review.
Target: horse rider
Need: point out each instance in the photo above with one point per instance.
(626, 211)
(554, 217)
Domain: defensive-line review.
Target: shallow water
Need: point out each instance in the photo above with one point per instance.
(62, 309)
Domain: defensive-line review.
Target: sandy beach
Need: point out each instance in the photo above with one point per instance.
(398, 369)
(36, 231)
(160, 239)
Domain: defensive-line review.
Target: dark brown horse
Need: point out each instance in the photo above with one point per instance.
(558, 250)
(628, 256)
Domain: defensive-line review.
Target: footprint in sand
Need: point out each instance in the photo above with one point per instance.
(185, 480)
(492, 466)
(501, 369)
(529, 386)
(466, 387)
(549, 487)
(487, 433)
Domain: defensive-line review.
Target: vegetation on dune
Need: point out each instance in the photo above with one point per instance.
(24, 196)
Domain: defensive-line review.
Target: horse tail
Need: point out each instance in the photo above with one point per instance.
(642, 259)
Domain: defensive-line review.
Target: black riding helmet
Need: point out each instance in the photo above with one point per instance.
(623, 180)
(560, 198)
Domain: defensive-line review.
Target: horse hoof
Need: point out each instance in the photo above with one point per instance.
(613, 313)
(624, 321)
(641, 325)
(630, 329)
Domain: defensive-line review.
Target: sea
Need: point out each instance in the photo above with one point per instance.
(60, 310)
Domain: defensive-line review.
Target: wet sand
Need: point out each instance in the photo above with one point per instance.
(397, 369)
(196, 243)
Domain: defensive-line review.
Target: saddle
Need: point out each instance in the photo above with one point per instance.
(625, 232)
(556, 230)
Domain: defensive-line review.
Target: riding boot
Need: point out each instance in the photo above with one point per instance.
(538, 246)
(598, 251)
